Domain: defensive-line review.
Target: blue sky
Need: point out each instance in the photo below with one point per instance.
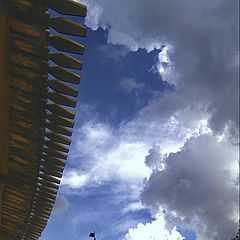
(157, 112)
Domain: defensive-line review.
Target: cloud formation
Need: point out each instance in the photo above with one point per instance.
(198, 184)
(154, 230)
(108, 155)
(201, 40)
(103, 156)
(103, 153)
(198, 55)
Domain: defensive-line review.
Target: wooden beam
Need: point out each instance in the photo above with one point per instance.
(4, 96)
(64, 74)
(66, 26)
(62, 87)
(5, 235)
(68, 7)
(65, 60)
(65, 44)
(11, 182)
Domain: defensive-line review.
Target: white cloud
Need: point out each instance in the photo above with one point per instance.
(130, 85)
(94, 15)
(192, 172)
(201, 61)
(114, 154)
(133, 206)
(101, 154)
(198, 184)
(155, 230)
(120, 38)
(164, 66)
(108, 155)
(75, 179)
(201, 47)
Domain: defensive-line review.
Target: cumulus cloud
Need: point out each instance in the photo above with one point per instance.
(198, 55)
(201, 48)
(153, 154)
(193, 174)
(154, 230)
(104, 153)
(199, 184)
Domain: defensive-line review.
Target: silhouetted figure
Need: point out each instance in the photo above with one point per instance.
(92, 234)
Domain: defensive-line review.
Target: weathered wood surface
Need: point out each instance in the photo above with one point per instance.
(64, 74)
(65, 44)
(4, 99)
(64, 25)
(36, 113)
(61, 87)
(68, 7)
(65, 60)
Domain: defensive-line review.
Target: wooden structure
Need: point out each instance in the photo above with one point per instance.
(36, 114)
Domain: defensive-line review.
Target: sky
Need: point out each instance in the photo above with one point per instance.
(154, 154)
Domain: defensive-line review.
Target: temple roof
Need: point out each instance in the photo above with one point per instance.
(37, 97)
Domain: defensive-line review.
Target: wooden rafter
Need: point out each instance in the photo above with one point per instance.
(36, 112)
